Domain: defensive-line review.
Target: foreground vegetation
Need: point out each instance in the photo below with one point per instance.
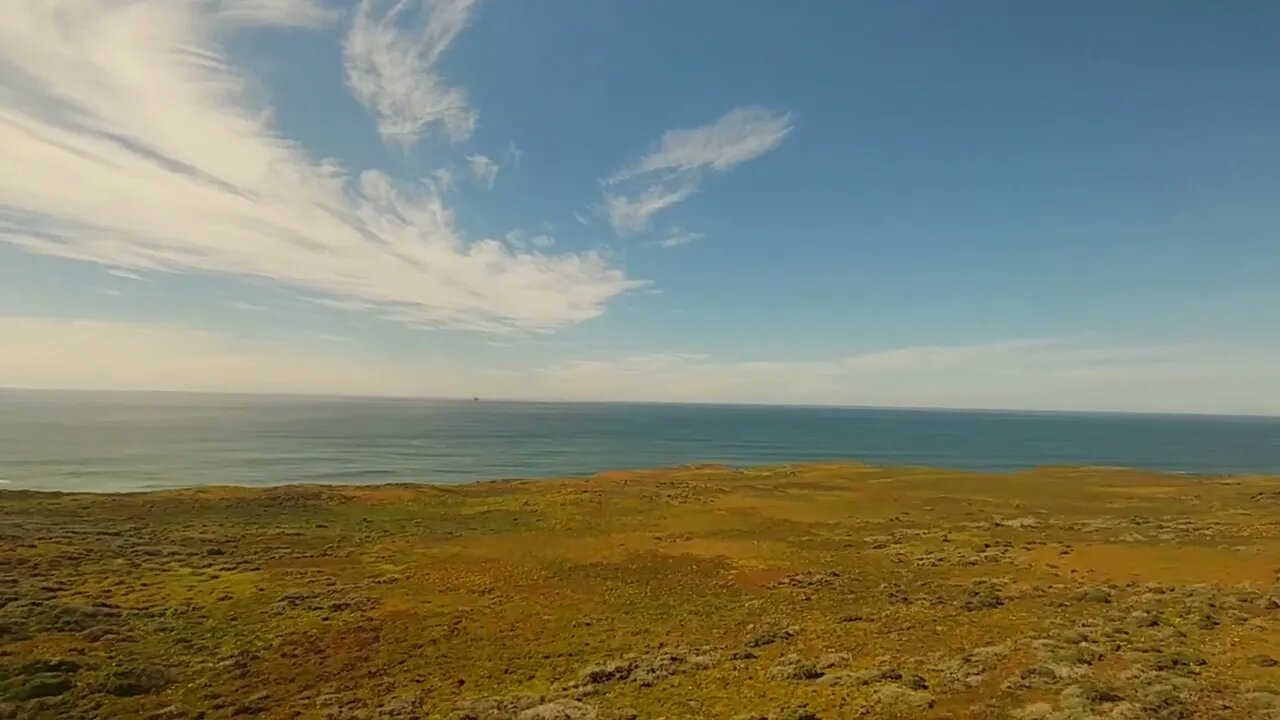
(824, 591)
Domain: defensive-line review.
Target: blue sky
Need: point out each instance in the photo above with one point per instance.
(994, 204)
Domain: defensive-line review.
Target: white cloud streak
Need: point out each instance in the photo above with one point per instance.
(125, 274)
(678, 238)
(484, 169)
(391, 54)
(443, 178)
(671, 172)
(127, 140)
(630, 214)
(740, 135)
(298, 13)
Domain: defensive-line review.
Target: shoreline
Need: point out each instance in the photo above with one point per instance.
(834, 465)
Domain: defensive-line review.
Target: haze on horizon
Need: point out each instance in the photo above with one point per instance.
(1002, 206)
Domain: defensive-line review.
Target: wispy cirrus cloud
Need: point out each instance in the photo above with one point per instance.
(672, 171)
(678, 238)
(740, 135)
(628, 214)
(484, 169)
(443, 179)
(127, 139)
(125, 274)
(391, 54)
(298, 13)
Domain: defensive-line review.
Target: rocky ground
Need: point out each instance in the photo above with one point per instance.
(825, 591)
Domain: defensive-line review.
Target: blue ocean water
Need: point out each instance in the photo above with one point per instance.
(136, 441)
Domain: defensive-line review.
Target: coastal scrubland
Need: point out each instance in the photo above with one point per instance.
(779, 593)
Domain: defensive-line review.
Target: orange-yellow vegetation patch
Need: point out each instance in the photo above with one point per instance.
(837, 508)
(389, 495)
(1181, 564)
(761, 578)
(1145, 490)
(746, 551)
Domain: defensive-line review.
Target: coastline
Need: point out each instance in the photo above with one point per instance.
(144, 442)
(721, 468)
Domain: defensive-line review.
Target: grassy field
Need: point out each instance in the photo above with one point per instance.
(817, 591)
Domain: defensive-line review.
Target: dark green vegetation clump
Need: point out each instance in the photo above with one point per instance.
(796, 593)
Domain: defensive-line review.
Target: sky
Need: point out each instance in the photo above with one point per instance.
(996, 204)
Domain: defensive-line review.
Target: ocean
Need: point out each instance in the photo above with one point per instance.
(100, 441)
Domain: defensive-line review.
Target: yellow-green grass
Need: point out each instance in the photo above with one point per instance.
(828, 591)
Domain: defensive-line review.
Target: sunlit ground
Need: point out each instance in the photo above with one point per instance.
(825, 591)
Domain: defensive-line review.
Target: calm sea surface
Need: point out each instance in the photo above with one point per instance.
(134, 441)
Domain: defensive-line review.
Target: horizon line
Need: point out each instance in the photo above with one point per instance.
(461, 399)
